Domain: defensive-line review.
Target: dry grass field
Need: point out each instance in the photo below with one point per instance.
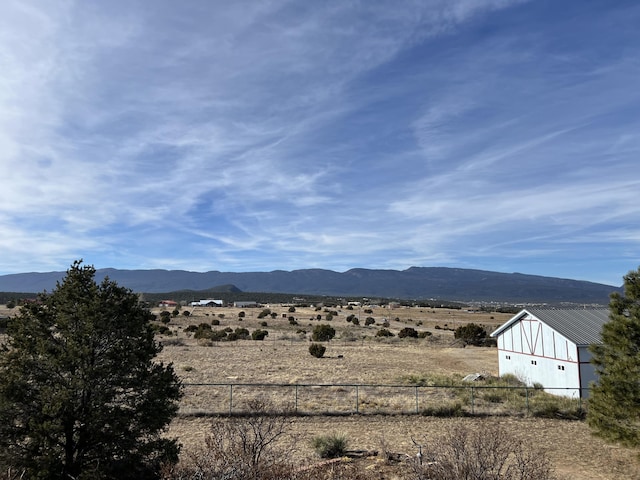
(284, 358)
(353, 356)
(357, 356)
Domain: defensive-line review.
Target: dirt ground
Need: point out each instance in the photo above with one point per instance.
(573, 452)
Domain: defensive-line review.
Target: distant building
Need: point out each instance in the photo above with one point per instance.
(209, 302)
(167, 303)
(245, 304)
(551, 347)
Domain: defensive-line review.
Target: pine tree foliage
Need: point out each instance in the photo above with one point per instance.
(80, 394)
(614, 404)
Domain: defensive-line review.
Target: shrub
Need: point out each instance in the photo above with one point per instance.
(263, 324)
(369, 321)
(424, 334)
(176, 342)
(383, 332)
(186, 313)
(330, 446)
(217, 335)
(488, 452)
(205, 332)
(202, 331)
(264, 313)
(259, 334)
(317, 350)
(408, 332)
(512, 380)
(232, 337)
(241, 314)
(160, 329)
(471, 334)
(242, 333)
(252, 447)
(355, 321)
(323, 333)
(292, 321)
(215, 321)
(292, 309)
(447, 409)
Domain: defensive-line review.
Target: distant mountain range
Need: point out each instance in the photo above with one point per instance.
(455, 284)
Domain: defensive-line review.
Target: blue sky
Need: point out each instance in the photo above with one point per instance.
(253, 136)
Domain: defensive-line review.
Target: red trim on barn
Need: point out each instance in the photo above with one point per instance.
(540, 356)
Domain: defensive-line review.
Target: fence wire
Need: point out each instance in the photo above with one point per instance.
(347, 399)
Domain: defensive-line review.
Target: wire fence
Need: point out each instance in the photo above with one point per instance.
(347, 399)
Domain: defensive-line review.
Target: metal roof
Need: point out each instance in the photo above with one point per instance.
(581, 326)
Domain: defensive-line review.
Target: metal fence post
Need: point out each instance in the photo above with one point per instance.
(472, 402)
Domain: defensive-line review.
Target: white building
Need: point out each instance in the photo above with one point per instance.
(550, 347)
(245, 304)
(209, 302)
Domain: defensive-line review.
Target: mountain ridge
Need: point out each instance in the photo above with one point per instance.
(456, 284)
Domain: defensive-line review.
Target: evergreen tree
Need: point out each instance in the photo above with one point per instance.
(80, 394)
(614, 404)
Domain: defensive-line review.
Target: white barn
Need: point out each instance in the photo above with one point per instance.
(550, 347)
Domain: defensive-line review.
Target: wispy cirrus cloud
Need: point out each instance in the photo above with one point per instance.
(287, 135)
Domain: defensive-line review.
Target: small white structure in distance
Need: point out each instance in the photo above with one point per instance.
(207, 303)
(550, 347)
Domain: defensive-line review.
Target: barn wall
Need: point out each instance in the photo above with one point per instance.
(535, 353)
